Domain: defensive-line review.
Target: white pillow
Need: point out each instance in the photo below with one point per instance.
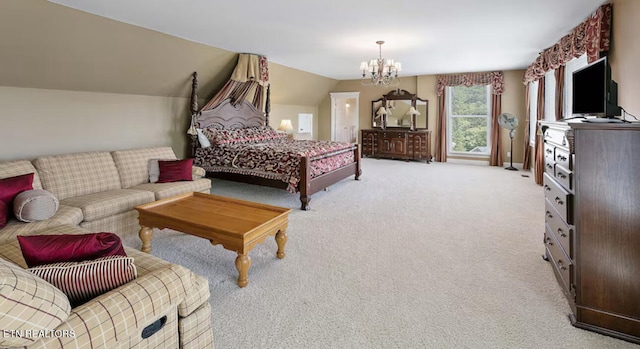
(154, 169)
(204, 141)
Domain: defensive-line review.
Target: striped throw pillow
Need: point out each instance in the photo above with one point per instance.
(82, 281)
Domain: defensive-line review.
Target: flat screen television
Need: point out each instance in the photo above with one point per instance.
(594, 93)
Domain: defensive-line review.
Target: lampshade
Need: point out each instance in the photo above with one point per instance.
(285, 125)
(413, 111)
(381, 111)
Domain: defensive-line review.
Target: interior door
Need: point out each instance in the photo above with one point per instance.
(344, 117)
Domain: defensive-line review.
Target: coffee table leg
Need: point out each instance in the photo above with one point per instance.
(243, 262)
(281, 240)
(145, 235)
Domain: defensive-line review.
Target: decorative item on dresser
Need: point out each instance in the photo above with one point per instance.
(400, 121)
(592, 237)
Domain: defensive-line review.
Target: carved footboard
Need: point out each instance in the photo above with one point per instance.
(308, 185)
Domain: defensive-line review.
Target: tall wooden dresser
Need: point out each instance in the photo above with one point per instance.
(397, 144)
(592, 237)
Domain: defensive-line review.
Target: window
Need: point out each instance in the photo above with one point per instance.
(533, 111)
(567, 96)
(550, 95)
(469, 120)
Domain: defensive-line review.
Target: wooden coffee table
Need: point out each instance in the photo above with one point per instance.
(237, 225)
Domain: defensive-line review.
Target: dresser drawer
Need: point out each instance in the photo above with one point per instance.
(391, 134)
(557, 137)
(549, 168)
(564, 176)
(562, 231)
(549, 151)
(561, 264)
(563, 158)
(559, 198)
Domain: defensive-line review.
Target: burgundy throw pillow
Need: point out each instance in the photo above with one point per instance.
(175, 170)
(48, 249)
(9, 189)
(4, 212)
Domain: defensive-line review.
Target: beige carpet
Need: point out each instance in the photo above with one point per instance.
(411, 256)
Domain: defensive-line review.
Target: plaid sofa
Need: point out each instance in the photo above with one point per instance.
(98, 190)
(116, 319)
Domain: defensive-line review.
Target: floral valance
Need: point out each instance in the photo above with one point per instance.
(251, 68)
(495, 79)
(592, 36)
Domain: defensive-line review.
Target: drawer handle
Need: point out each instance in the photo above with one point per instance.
(549, 166)
(547, 188)
(562, 175)
(561, 265)
(549, 241)
(549, 215)
(558, 201)
(561, 232)
(549, 151)
(562, 157)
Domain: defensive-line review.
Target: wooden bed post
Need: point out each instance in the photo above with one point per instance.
(356, 157)
(267, 107)
(194, 111)
(305, 183)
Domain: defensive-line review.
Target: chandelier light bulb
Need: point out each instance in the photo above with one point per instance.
(382, 72)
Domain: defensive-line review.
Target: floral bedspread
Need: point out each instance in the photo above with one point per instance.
(277, 159)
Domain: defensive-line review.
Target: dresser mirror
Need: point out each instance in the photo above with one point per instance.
(397, 105)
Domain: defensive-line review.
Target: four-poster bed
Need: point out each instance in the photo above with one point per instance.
(245, 148)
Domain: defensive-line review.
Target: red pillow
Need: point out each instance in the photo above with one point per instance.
(175, 170)
(3, 214)
(48, 249)
(9, 189)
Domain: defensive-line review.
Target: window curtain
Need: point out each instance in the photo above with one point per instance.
(441, 130)
(526, 162)
(592, 36)
(559, 74)
(247, 82)
(539, 146)
(496, 80)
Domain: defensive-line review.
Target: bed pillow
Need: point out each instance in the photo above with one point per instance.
(175, 170)
(262, 133)
(233, 136)
(9, 189)
(202, 139)
(46, 249)
(35, 205)
(243, 135)
(82, 281)
(154, 169)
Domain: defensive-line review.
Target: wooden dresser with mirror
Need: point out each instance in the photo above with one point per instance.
(395, 133)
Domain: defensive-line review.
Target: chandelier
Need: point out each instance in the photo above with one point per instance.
(381, 71)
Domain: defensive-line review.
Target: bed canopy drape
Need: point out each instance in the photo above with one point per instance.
(247, 82)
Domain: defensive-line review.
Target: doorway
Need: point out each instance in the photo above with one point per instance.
(345, 116)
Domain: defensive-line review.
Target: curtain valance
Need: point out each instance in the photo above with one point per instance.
(495, 79)
(592, 36)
